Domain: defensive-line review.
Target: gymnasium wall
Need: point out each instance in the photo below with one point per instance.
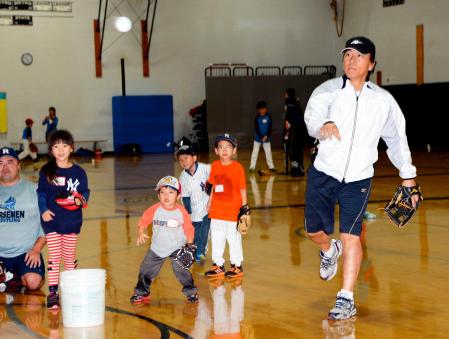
(188, 35)
(393, 29)
(231, 103)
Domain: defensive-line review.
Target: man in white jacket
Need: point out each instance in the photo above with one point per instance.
(349, 115)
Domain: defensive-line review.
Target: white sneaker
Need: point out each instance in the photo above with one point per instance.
(328, 266)
(344, 308)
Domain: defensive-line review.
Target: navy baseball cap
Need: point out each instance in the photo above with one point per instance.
(226, 137)
(362, 45)
(8, 152)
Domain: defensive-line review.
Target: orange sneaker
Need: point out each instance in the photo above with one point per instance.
(234, 272)
(215, 271)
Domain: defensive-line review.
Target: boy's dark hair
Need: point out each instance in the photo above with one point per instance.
(291, 92)
(51, 108)
(58, 136)
(261, 104)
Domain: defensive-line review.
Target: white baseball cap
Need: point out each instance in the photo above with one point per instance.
(169, 181)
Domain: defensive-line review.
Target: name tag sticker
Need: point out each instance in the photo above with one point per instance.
(219, 188)
(264, 121)
(172, 223)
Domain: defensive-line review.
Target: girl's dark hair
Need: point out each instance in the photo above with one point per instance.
(58, 136)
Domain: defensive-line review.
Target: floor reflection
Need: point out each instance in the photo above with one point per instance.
(222, 315)
(268, 195)
(32, 315)
(367, 282)
(343, 329)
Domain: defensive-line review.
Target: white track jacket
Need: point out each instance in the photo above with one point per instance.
(362, 118)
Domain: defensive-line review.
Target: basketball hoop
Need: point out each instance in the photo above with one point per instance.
(338, 7)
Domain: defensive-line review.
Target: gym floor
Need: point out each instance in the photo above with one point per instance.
(399, 293)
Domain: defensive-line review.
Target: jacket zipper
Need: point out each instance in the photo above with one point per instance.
(353, 133)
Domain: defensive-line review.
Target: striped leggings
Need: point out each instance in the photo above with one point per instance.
(60, 246)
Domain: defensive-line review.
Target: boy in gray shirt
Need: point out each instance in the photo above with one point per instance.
(172, 228)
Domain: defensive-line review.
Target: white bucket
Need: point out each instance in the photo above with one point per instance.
(82, 299)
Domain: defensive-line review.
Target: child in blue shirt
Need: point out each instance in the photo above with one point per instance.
(262, 125)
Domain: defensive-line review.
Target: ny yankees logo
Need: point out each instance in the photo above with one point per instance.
(71, 186)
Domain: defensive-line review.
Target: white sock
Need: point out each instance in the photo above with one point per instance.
(346, 294)
(330, 252)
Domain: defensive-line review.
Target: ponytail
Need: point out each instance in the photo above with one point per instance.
(49, 169)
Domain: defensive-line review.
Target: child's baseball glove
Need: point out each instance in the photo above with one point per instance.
(185, 256)
(400, 209)
(71, 200)
(244, 220)
(33, 147)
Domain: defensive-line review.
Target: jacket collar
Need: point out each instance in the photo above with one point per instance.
(367, 84)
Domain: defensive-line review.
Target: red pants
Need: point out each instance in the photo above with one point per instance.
(60, 246)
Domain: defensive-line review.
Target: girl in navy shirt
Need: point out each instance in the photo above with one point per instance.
(62, 192)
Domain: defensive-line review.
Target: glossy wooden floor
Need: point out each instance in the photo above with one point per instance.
(401, 291)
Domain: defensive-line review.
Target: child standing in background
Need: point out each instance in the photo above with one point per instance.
(263, 126)
(194, 195)
(62, 192)
(172, 229)
(228, 196)
(27, 139)
(51, 121)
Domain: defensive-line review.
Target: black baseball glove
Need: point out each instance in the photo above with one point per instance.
(400, 209)
(185, 256)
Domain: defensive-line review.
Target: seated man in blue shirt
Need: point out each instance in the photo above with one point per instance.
(21, 234)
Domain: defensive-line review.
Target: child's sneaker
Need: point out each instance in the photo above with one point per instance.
(5, 276)
(53, 300)
(140, 299)
(215, 271)
(2, 272)
(199, 258)
(369, 216)
(234, 272)
(192, 298)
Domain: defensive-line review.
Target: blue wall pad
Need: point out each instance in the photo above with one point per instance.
(145, 120)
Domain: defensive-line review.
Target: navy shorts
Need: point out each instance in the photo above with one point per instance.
(322, 194)
(18, 266)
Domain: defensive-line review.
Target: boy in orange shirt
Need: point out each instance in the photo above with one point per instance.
(228, 196)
